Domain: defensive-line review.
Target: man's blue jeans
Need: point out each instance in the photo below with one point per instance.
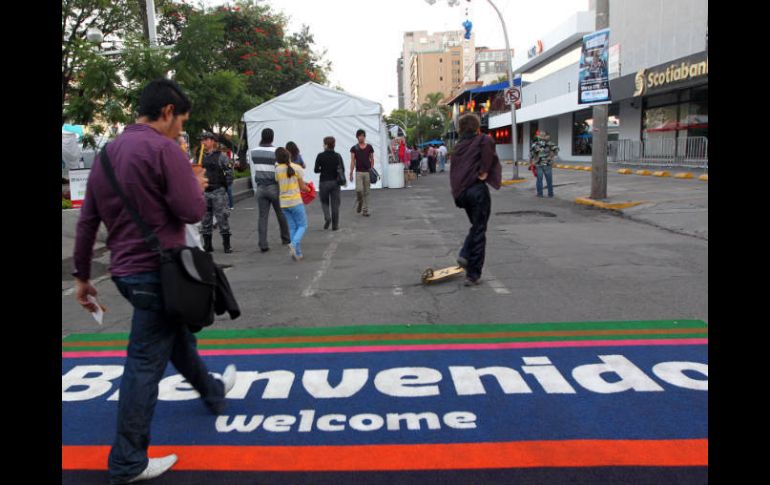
(546, 170)
(297, 220)
(151, 344)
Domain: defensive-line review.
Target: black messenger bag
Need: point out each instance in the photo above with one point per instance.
(188, 275)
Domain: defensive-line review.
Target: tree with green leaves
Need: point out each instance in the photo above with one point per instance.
(227, 59)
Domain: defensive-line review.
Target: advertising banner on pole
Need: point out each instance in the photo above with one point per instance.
(78, 180)
(593, 82)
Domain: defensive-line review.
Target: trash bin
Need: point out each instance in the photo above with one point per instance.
(395, 175)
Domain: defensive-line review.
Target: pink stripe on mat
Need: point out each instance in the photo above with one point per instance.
(403, 348)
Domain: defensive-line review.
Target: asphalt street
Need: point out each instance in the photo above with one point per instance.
(548, 260)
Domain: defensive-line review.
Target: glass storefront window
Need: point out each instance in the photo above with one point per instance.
(661, 122)
(666, 118)
(582, 126)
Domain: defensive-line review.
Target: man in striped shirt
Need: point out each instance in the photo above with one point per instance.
(263, 170)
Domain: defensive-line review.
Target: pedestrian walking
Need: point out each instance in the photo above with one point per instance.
(414, 153)
(361, 160)
(442, 157)
(216, 166)
(290, 181)
(296, 157)
(474, 166)
(402, 152)
(158, 180)
(424, 165)
(542, 154)
(263, 167)
(192, 231)
(328, 164)
(432, 159)
(183, 144)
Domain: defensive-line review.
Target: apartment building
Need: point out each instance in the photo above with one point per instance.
(432, 60)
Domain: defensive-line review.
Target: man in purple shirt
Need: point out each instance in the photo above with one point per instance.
(159, 183)
(474, 165)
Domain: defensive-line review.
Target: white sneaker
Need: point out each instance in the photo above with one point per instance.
(155, 468)
(228, 378)
(293, 252)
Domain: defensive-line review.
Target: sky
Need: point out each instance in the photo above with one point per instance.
(363, 39)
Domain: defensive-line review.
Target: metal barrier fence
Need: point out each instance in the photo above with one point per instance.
(691, 152)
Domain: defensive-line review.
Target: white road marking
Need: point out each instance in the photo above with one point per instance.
(499, 288)
(398, 291)
(327, 261)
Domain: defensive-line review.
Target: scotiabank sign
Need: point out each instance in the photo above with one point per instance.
(661, 78)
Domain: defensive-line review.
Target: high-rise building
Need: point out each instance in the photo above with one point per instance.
(491, 64)
(429, 63)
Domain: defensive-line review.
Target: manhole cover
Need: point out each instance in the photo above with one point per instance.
(526, 213)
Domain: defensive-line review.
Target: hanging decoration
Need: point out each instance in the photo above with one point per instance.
(467, 25)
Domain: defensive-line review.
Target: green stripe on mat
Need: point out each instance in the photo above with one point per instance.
(366, 343)
(390, 329)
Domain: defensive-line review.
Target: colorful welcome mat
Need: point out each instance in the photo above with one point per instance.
(603, 402)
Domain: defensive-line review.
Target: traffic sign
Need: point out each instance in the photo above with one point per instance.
(512, 95)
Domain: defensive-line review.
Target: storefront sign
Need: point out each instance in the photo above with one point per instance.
(661, 77)
(593, 82)
(78, 179)
(535, 50)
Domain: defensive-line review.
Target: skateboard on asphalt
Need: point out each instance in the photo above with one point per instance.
(432, 276)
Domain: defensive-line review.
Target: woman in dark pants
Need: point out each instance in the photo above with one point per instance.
(327, 163)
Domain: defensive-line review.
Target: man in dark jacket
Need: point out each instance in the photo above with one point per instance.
(474, 165)
(158, 182)
(217, 167)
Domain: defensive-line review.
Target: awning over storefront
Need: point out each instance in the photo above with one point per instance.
(466, 95)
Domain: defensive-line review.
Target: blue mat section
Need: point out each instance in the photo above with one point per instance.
(671, 413)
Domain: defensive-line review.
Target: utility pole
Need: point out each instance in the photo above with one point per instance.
(147, 12)
(600, 114)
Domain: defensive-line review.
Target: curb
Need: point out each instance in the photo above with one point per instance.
(605, 205)
(683, 175)
(511, 182)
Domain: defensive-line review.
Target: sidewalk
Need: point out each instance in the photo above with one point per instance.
(677, 205)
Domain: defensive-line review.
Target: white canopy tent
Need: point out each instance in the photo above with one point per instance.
(311, 112)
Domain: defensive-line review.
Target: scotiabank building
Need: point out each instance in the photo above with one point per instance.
(672, 98)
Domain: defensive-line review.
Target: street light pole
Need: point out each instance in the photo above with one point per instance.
(151, 28)
(514, 131)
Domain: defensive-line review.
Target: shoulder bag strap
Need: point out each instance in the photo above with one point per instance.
(149, 237)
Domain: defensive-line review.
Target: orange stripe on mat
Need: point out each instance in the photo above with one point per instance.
(520, 454)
